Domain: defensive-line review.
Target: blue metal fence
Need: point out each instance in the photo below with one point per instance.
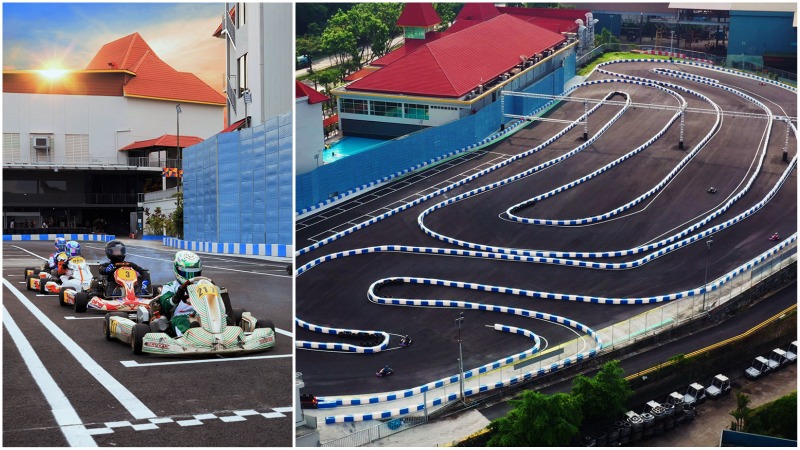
(397, 155)
(238, 186)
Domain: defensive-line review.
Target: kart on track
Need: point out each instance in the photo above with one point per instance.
(126, 295)
(213, 330)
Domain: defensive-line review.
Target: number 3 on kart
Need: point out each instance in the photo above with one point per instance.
(126, 275)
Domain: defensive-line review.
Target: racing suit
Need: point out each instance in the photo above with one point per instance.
(173, 302)
(108, 268)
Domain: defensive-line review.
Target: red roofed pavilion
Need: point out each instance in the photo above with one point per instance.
(418, 15)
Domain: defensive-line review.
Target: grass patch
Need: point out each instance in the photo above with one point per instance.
(613, 56)
(336, 71)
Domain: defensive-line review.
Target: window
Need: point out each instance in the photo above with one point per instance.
(11, 147)
(414, 32)
(20, 186)
(387, 109)
(241, 65)
(241, 14)
(77, 148)
(417, 111)
(354, 106)
(52, 186)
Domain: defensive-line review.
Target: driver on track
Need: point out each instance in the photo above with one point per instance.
(115, 251)
(73, 249)
(52, 262)
(174, 298)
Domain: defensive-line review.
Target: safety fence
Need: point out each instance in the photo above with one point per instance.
(377, 432)
(238, 186)
(52, 237)
(230, 248)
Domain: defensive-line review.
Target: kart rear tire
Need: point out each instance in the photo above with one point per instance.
(29, 271)
(42, 284)
(137, 337)
(106, 323)
(61, 297)
(28, 282)
(81, 301)
(265, 323)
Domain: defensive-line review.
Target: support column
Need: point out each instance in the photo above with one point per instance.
(680, 144)
(786, 142)
(586, 121)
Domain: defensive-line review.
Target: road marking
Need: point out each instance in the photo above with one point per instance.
(65, 415)
(284, 332)
(191, 420)
(83, 318)
(29, 252)
(126, 398)
(200, 361)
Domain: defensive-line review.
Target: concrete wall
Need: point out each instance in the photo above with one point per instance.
(309, 137)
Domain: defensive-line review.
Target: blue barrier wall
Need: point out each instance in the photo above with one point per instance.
(238, 186)
(405, 152)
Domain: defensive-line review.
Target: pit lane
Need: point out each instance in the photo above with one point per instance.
(210, 401)
(332, 294)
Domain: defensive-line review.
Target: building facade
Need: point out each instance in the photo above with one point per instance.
(64, 134)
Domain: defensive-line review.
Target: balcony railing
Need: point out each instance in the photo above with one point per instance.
(230, 30)
(231, 95)
(100, 162)
(68, 199)
(158, 195)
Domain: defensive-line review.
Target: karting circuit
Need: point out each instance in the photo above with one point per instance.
(648, 179)
(205, 388)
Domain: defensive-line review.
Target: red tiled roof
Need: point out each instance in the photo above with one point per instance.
(234, 126)
(303, 90)
(478, 11)
(359, 74)
(418, 15)
(557, 20)
(167, 140)
(330, 120)
(454, 64)
(154, 78)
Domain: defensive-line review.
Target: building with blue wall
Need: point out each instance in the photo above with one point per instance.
(763, 38)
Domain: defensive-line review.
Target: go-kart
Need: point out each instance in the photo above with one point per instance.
(405, 341)
(385, 372)
(308, 401)
(774, 237)
(36, 278)
(81, 281)
(213, 330)
(126, 295)
(712, 190)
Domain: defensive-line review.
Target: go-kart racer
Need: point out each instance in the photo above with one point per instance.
(174, 299)
(72, 250)
(52, 261)
(115, 251)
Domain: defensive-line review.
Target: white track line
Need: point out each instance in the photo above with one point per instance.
(201, 361)
(125, 397)
(65, 415)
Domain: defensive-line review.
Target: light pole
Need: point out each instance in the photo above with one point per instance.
(705, 282)
(459, 322)
(671, 36)
(178, 144)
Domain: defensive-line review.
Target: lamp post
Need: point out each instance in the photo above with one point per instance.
(671, 36)
(178, 144)
(705, 282)
(459, 322)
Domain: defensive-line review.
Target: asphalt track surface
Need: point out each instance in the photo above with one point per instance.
(211, 401)
(334, 293)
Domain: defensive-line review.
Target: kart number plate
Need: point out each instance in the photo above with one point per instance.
(78, 260)
(126, 274)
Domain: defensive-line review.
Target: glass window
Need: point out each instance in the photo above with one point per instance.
(52, 186)
(19, 186)
(241, 65)
(354, 106)
(387, 109)
(414, 32)
(241, 14)
(414, 111)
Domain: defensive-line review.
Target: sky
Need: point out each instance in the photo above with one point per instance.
(37, 35)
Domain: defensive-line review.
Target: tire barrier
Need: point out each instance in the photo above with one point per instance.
(337, 346)
(50, 237)
(678, 240)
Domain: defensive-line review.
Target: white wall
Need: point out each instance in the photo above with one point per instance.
(309, 136)
(100, 117)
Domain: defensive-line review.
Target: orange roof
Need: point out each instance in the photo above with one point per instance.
(218, 31)
(303, 90)
(153, 77)
(167, 140)
(234, 126)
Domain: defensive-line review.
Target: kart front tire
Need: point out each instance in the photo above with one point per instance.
(137, 337)
(81, 301)
(61, 297)
(265, 323)
(42, 284)
(107, 323)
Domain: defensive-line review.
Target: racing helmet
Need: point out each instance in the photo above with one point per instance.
(62, 257)
(186, 266)
(73, 249)
(115, 250)
(61, 244)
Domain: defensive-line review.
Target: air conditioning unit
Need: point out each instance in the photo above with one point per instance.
(41, 143)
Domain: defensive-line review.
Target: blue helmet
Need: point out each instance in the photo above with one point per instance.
(61, 244)
(73, 249)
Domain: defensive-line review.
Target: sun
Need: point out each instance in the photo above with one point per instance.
(53, 74)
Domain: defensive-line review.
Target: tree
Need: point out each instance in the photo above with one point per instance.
(337, 40)
(605, 37)
(379, 37)
(175, 224)
(777, 419)
(155, 222)
(603, 396)
(741, 413)
(537, 420)
(447, 12)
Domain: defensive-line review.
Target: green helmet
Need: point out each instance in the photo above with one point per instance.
(186, 266)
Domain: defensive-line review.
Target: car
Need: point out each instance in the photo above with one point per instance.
(720, 386)
(308, 401)
(777, 359)
(126, 297)
(695, 394)
(758, 368)
(791, 352)
(215, 329)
